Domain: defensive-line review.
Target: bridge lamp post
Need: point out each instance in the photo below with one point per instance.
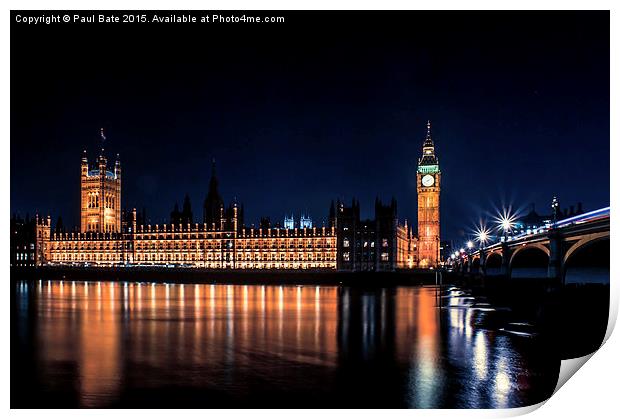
(555, 206)
(506, 224)
(482, 237)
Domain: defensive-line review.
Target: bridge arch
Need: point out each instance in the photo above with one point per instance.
(520, 249)
(584, 241)
(588, 260)
(493, 263)
(475, 265)
(529, 261)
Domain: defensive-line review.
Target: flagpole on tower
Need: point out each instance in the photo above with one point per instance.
(103, 138)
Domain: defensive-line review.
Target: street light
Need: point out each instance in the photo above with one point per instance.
(555, 207)
(470, 244)
(505, 222)
(482, 235)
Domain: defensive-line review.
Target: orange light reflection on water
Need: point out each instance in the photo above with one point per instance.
(201, 325)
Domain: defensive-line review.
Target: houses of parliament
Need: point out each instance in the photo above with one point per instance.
(108, 237)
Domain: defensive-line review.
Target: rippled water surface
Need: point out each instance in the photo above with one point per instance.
(111, 344)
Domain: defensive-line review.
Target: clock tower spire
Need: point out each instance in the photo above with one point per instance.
(428, 187)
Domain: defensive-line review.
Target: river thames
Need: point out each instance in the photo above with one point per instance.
(119, 344)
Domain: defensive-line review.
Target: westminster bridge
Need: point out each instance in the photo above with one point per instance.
(576, 247)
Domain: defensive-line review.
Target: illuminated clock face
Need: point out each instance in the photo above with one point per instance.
(428, 180)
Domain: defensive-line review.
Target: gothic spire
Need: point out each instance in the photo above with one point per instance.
(428, 149)
(428, 141)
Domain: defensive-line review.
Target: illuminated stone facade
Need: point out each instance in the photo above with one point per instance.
(428, 188)
(43, 235)
(197, 246)
(222, 241)
(100, 210)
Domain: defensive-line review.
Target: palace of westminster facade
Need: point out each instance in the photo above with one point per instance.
(222, 241)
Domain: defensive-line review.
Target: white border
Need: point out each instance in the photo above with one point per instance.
(592, 393)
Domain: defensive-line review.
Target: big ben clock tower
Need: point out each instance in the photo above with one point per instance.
(428, 186)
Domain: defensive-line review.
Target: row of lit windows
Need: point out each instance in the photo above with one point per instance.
(110, 201)
(183, 258)
(110, 228)
(211, 244)
(192, 256)
(346, 256)
(92, 226)
(92, 200)
(114, 249)
(81, 257)
(286, 265)
(181, 236)
(220, 236)
(346, 243)
(31, 246)
(217, 245)
(255, 255)
(247, 258)
(88, 246)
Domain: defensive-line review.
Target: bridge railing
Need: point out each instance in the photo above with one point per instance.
(591, 216)
(583, 218)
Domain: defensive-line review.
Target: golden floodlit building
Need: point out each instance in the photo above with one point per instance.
(222, 241)
(100, 209)
(428, 187)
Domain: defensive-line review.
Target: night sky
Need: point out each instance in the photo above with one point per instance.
(324, 106)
